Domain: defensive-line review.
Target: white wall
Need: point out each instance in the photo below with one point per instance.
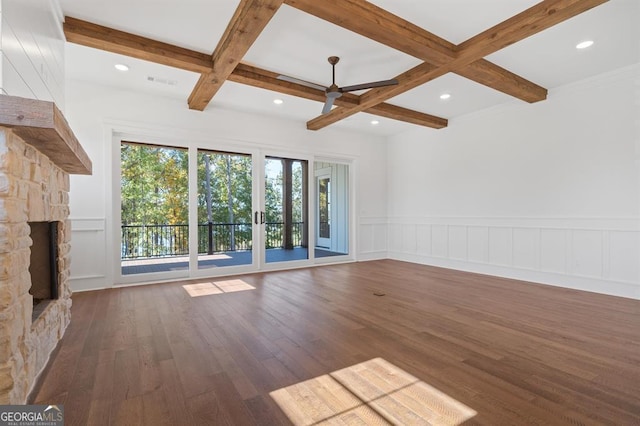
(32, 50)
(95, 112)
(548, 192)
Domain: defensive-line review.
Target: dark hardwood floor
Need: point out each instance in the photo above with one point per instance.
(515, 353)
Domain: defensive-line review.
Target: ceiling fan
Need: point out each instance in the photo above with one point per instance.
(333, 92)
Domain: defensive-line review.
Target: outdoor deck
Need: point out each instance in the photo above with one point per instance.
(181, 263)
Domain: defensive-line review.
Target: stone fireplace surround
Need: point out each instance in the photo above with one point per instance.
(38, 151)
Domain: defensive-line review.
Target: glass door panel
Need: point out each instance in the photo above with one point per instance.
(286, 214)
(154, 210)
(176, 201)
(225, 230)
(331, 209)
(324, 212)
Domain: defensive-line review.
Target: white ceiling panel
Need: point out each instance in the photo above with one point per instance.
(87, 64)
(466, 97)
(192, 24)
(233, 96)
(297, 44)
(455, 20)
(550, 58)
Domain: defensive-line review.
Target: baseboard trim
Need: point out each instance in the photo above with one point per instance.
(612, 288)
(372, 255)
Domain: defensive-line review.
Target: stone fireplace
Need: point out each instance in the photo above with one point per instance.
(38, 151)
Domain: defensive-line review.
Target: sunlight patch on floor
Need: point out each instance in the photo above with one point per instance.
(231, 286)
(372, 392)
(217, 287)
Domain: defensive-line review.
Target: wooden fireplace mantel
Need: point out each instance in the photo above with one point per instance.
(42, 125)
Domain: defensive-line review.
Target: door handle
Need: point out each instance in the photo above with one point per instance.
(255, 217)
(263, 218)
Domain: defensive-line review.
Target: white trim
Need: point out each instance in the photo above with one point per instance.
(226, 273)
(631, 224)
(117, 131)
(373, 255)
(87, 277)
(171, 134)
(587, 254)
(576, 282)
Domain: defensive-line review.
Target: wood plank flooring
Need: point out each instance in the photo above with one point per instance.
(514, 353)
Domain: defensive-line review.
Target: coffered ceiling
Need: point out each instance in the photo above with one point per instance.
(431, 46)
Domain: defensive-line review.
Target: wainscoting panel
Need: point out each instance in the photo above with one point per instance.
(478, 240)
(395, 237)
(600, 255)
(553, 250)
(88, 253)
(458, 245)
(440, 240)
(525, 248)
(423, 239)
(500, 246)
(409, 239)
(623, 255)
(587, 249)
(372, 238)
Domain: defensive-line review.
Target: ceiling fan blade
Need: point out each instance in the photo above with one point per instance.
(371, 85)
(302, 82)
(328, 104)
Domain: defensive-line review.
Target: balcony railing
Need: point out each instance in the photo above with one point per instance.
(143, 241)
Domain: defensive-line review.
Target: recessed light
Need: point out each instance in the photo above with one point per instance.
(278, 101)
(374, 122)
(122, 67)
(445, 96)
(584, 44)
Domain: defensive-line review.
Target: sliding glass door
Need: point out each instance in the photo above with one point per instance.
(225, 209)
(188, 212)
(286, 215)
(154, 209)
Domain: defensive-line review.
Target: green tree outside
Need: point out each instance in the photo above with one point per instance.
(155, 193)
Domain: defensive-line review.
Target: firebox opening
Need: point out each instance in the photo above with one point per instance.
(43, 266)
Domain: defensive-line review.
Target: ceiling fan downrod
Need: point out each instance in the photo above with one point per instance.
(333, 91)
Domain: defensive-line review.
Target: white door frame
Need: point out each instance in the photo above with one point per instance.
(264, 154)
(115, 132)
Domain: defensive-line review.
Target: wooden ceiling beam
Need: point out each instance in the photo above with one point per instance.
(256, 77)
(115, 41)
(247, 23)
(533, 20)
(408, 116)
(373, 22)
(537, 18)
(503, 80)
(111, 40)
